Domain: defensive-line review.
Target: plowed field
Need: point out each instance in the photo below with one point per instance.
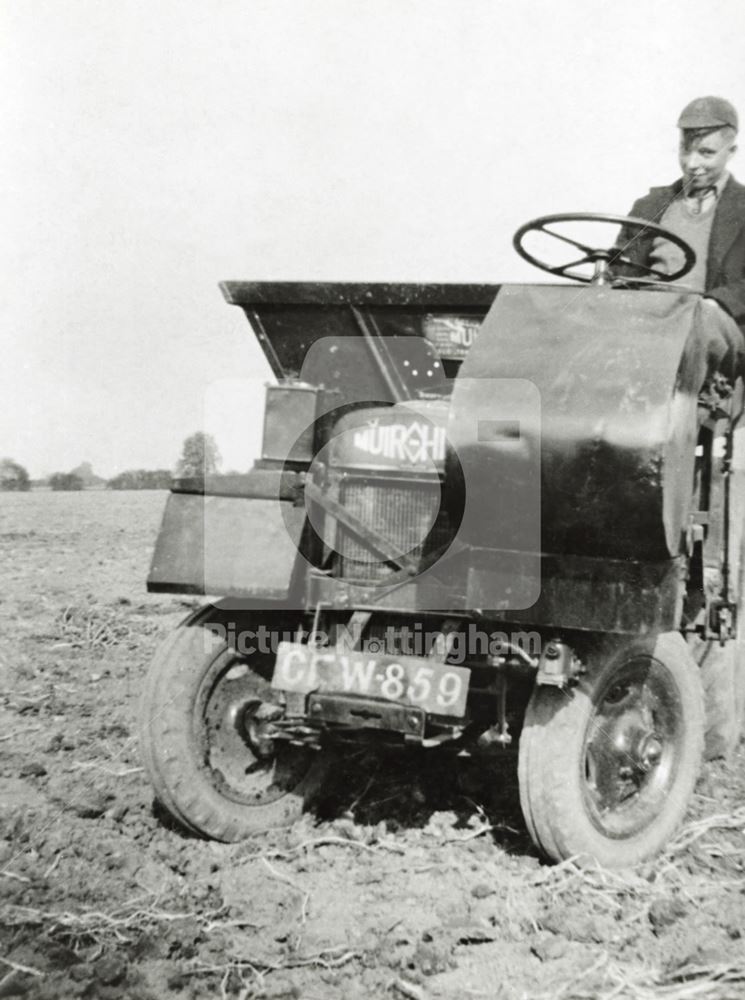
(406, 880)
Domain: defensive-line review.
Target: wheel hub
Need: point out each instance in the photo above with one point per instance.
(239, 749)
(650, 752)
(630, 749)
(255, 721)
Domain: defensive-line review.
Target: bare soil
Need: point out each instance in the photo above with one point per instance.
(410, 878)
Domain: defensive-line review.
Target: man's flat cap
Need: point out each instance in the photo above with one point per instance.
(708, 112)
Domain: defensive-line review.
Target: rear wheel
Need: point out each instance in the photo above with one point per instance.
(607, 768)
(205, 736)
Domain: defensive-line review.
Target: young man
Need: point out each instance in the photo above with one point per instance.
(705, 207)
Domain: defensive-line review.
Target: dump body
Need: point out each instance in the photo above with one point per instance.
(287, 317)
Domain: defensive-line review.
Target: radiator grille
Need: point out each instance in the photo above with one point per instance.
(408, 514)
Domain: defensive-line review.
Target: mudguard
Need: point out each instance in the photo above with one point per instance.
(618, 374)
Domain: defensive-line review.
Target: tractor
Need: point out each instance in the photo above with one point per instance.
(485, 519)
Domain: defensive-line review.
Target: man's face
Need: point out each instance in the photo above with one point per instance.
(703, 157)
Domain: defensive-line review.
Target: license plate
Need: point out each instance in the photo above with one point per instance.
(437, 688)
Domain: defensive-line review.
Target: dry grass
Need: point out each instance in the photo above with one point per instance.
(706, 860)
(96, 627)
(121, 925)
(689, 982)
(606, 980)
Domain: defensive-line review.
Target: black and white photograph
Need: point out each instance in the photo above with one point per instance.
(372, 500)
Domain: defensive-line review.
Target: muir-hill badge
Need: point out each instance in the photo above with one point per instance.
(414, 443)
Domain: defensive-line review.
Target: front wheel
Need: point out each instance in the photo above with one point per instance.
(205, 736)
(607, 768)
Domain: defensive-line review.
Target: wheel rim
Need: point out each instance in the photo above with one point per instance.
(633, 742)
(233, 711)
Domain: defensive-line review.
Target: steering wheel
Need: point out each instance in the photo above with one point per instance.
(604, 259)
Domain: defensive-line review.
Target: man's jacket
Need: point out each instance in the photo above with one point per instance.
(725, 267)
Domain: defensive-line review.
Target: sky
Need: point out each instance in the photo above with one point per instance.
(152, 149)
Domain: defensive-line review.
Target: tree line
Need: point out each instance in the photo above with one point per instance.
(200, 457)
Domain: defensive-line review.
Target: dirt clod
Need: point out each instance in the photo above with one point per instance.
(280, 989)
(88, 804)
(664, 912)
(549, 947)
(482, 889)
(81, 973)
(110, 970)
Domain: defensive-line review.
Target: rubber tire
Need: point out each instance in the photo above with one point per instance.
(170, 744)
(550, 761)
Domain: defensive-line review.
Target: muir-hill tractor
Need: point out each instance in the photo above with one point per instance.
(484, 517)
